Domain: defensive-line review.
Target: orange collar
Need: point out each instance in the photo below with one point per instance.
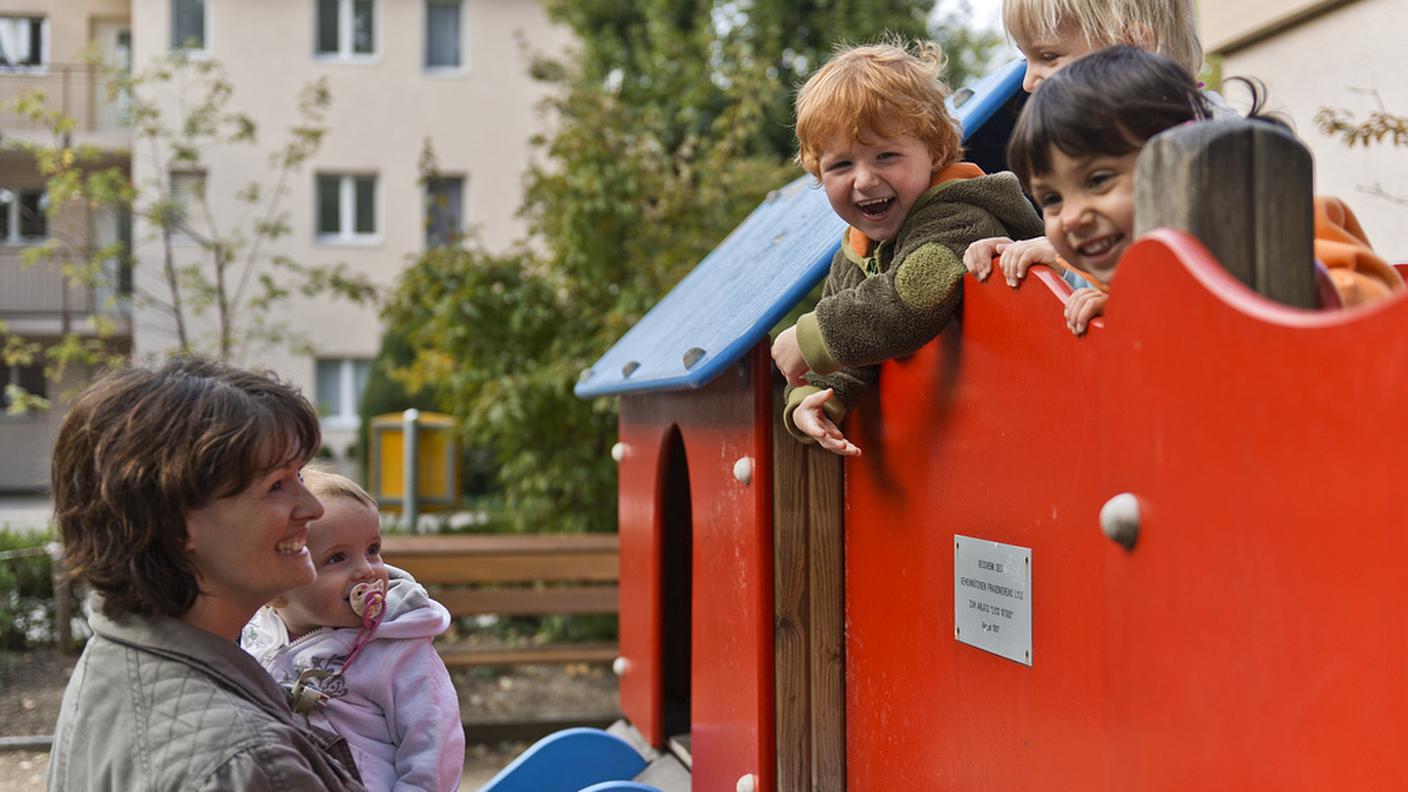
(863, 244)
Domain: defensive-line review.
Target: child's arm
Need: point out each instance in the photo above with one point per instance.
(811, 419)
(425, 721)
(1082, 306)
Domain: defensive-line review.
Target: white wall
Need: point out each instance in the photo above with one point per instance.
(1322, 62)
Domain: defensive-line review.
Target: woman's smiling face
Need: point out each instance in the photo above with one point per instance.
(250, 546)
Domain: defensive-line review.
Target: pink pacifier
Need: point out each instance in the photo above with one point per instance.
(368, 600)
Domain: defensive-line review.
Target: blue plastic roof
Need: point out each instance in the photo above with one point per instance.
(727, 303)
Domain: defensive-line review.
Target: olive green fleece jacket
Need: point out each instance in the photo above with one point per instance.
(891, 299)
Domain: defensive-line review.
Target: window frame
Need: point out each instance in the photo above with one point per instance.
(348, 394)
(462, 222)
(14, 373)
(11, 209)
(347, 233)
(203, 51)
(346, 35)
(45, 32)
(463, 66)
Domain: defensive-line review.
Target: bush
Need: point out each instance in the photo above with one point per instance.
(26, 592)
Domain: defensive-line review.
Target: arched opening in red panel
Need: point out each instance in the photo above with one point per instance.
(676, 568)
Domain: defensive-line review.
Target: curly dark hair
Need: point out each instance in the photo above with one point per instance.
(143, 447)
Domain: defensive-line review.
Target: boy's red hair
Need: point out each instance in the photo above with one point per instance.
(890, 89)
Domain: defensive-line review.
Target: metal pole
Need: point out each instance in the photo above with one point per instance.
(410, 427)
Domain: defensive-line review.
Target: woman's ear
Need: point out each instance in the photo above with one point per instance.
(1139, 35)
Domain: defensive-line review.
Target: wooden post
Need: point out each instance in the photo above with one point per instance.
(1244, 189)
(808, 613)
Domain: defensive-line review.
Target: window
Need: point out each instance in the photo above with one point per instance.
(345, 28)
(444, 211)
(187, 193)
(339, 386)
(24, 42)
(346, 207)
(443, 34)
(30, 379)
(188, 24)
(24, 216)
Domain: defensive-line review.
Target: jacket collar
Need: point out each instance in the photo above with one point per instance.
(205, 652)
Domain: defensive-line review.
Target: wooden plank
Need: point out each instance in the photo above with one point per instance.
(499, 544)
(506, 568)
(524, 602)
(548, 655)
(1244, 190)
(791, 619)
(827, 646)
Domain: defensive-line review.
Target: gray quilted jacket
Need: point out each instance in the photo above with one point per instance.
(155, 705)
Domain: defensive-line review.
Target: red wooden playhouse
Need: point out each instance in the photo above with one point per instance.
(947, 613)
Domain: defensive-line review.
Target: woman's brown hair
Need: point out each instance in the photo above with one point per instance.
(143, 447)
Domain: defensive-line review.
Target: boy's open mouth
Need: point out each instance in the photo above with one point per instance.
(875, 208)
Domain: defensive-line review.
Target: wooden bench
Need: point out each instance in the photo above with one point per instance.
(476, 574)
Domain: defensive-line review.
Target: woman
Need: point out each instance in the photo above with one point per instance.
(179, 503)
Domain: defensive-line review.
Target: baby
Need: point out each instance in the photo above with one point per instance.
(354, 648)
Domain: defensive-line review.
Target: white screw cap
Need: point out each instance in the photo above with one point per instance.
(1119, 519)
(748, 783)
(618, 666)
(743, 470)
(618, 452)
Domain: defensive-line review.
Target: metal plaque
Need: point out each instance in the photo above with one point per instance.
(992, 597)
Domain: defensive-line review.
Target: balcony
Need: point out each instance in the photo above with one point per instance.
(78, 90)
(38, 301)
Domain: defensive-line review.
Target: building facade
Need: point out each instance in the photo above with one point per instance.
(403, 75)
(1312, 54)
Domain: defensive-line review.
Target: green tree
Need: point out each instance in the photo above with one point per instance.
(236, 279)
(673, 120)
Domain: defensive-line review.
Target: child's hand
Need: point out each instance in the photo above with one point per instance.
(1019, 256)
(787, 354)
(977, 259)
(1082, 306)
(813, 421)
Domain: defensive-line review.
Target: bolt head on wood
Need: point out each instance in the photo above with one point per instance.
(743, 470)
(618, 452)
(748, 783)
(1119, 519)
(618, 666)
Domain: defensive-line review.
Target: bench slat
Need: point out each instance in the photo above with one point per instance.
(552, 654)
(505, 568)
(529, 602)
(498, 544)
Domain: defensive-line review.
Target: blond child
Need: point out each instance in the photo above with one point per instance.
(872, 127)
(1051, 34)
(354, 649)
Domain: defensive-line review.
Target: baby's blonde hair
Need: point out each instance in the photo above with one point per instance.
(890, 88)
(326, 484)
(1104, 23)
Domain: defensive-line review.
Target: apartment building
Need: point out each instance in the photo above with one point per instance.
(401, 73)
(1328, 53)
